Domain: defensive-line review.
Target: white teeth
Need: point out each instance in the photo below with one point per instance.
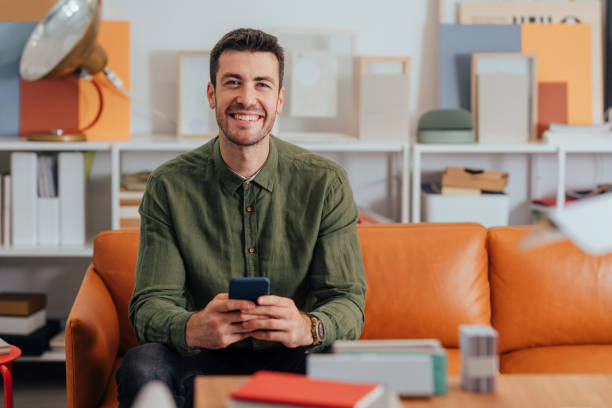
(246, 117)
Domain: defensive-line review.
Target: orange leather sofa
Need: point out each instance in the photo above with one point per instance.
(552, 306)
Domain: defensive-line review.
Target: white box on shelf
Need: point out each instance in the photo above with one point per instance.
(48, 221)
(490, 210)
(25, 196)
(71, 175)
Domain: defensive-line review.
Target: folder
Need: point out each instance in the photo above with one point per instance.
(48, 221)
(71, 174)
(25, 197)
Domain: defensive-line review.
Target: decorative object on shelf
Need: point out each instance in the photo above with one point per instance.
(318, 65)
(446, 126)
(552, 105)
(63, 43)
(504, 97)
(457, 44)
(195, 119)
(479, 357)
(383, 99)
(314, 84)
(564, 55)
(589, 13)
(488, 180)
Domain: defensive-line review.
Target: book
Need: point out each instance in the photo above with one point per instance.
(21, 304)
(409, 373)
(5, 348)
(587, 223)
(342, 346)
(446, 190)
(23, 325)
(479, 357)
(274, 389)
(409, 351)
(58, 342)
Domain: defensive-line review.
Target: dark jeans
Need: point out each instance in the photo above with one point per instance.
(155, 361)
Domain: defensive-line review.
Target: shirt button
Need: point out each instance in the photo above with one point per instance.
(249, 208)
(247, 182)
(251, 250)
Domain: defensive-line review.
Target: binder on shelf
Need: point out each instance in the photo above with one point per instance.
(6, 210)
(24, 207)
(71, 174)
(48, 221)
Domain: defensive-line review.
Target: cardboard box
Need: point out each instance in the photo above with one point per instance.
(475, 178)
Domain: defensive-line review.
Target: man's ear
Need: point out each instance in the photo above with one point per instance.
(210, 94)
(281, 100)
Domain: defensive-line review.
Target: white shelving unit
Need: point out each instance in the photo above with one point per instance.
(419, 150)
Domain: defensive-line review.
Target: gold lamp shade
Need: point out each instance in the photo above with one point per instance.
(64, 41)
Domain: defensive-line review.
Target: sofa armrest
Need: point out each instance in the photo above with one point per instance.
(92, 342)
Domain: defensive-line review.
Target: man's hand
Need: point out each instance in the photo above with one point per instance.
(284, 322)
(219, 324)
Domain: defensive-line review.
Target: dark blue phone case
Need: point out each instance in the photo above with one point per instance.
(249, 288)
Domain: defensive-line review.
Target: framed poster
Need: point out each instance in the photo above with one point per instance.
(195, 119)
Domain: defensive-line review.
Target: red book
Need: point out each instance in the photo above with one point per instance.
(273, 389)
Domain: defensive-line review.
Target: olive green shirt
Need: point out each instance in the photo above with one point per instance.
(202, 225)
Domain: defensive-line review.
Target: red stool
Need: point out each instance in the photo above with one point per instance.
(5, 369)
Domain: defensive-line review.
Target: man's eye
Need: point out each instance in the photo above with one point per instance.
(263, 85)
(232, 83)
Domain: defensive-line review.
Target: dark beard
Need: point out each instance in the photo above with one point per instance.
(223, 126)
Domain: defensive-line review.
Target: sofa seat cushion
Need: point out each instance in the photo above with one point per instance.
(586, 359)
(424, 280)
(109, 399)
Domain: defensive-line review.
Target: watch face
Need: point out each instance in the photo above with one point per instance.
(320, 330)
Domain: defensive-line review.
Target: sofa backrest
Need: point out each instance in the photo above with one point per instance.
(424, 280)
(550, 295)
(114, 259)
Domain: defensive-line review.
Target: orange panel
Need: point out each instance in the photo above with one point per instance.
(552, 105)
(588, 359)
(550, 296)
(48, 104)
(564, 55)
(114, 124)
(30, 10)
(424, 280)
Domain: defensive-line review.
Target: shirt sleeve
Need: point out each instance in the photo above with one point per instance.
(337, 275)
(157, 309)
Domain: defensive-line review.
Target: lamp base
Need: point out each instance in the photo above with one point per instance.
(52, 137)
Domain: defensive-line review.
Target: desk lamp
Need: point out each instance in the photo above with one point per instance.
(64, 43)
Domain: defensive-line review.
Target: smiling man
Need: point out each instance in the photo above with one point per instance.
(245, 204)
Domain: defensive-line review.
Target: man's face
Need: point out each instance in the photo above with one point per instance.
(246, 97)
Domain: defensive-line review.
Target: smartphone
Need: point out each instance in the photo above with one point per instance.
(249, 288)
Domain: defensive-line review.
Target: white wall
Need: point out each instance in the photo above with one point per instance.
(159, 29)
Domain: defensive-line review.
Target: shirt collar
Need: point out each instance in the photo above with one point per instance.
(231, 181)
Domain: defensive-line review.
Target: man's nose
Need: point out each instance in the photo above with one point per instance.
(247, 96)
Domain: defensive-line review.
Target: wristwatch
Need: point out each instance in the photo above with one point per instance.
(317, 330)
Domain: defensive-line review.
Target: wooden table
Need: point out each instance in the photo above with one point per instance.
(558, 391)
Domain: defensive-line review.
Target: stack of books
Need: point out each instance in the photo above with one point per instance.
(479, 358)
(464, 181)
(130, 196)
(408, 367)
(23, 321)
(273, 389)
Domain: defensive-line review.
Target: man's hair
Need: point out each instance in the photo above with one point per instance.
(247, 39)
